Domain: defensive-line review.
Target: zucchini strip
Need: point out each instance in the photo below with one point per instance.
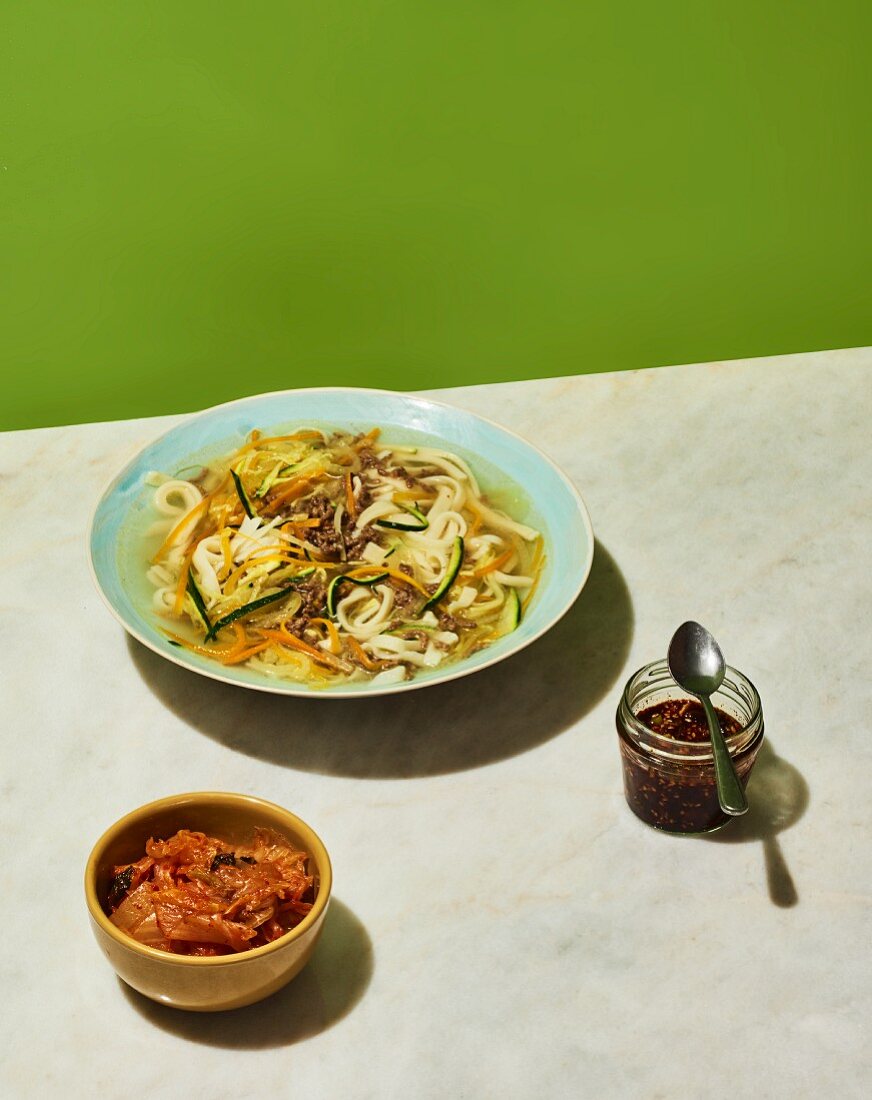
(243, 496)
(199, 603)
(333, 587)
(247, 608)
(422, 524)
(454, 564)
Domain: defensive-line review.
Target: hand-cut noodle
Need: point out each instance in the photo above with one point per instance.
(326, 558)
(196, 895)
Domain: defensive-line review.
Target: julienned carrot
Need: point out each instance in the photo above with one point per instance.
(215, 651)
(282, 636)
(193, 513)
(267, 439)
(182, 586)
(224, 571)
(413, 494)
(368, 439)
(366, 570)
(476, 521)
(357, 649)
(260, 557)
(295, 489)
(533, 586)
(335, 644)
(350, 503)
(242, 641)
(495, 563)
(244, 654)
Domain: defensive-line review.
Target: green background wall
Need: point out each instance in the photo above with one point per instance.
(202, 200)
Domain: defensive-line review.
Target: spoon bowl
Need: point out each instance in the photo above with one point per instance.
(697, 665)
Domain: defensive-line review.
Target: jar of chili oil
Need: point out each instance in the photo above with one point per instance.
(669, 775)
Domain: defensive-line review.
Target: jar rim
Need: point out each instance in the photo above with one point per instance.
(694, 752)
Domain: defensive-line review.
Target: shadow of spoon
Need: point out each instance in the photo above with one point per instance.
(778, 796)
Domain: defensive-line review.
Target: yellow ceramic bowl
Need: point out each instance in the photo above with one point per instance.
(225, 981)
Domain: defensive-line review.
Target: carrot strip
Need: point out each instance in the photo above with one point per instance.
(295, 489)
(182, 586)
(179, 527)
(228, 557)
(366, 570)
(533, 586)
(268, 553)
(267, 439)
(413, 494)
(368, 439)
(476, 521)
(217, 651)
(357, 649)
(492, 565)
(335, 644)
(244, 654)
(242, 640)
(350, 503)
(284, 638)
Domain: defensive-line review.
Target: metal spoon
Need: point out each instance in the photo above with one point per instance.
(697, 665)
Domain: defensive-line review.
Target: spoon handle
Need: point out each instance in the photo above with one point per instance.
(730, 793)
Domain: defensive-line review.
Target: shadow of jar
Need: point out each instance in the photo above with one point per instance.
(778, 796)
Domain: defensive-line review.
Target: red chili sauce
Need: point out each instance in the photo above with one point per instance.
(676, 795)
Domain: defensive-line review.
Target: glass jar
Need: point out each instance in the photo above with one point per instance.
(670, 783)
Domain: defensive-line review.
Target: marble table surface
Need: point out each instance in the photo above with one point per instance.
(502, 925)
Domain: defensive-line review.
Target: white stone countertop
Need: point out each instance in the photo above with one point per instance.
(502, 925)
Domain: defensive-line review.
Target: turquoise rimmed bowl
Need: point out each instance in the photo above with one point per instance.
(515, 474)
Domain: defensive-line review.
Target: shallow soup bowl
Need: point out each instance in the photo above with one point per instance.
(515, 475)
(203, 984)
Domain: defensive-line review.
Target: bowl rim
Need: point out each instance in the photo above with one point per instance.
(292, 688)
(315, 845)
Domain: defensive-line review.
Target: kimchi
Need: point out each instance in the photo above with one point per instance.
(194, 894)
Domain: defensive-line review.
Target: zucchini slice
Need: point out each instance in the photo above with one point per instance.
(510, 616)
(421, 525)
(243, 496)
(454, 564)
(333, 588)
(199, 602)
(247, 608)
(278, 470)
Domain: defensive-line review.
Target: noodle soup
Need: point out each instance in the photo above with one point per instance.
(325, 557)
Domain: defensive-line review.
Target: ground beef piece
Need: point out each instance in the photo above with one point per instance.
(363, 498)
(370, 461)
(405, 596)
(323, 537)
(417, 635)
(314, 596)
(454, 623)
(355, 541)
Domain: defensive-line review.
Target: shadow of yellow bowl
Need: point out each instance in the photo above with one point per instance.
(224, 981)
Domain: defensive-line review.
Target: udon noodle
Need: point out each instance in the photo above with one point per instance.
(325, 558)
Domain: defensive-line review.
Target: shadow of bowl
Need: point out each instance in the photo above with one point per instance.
(326, 991)
(497, 713)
